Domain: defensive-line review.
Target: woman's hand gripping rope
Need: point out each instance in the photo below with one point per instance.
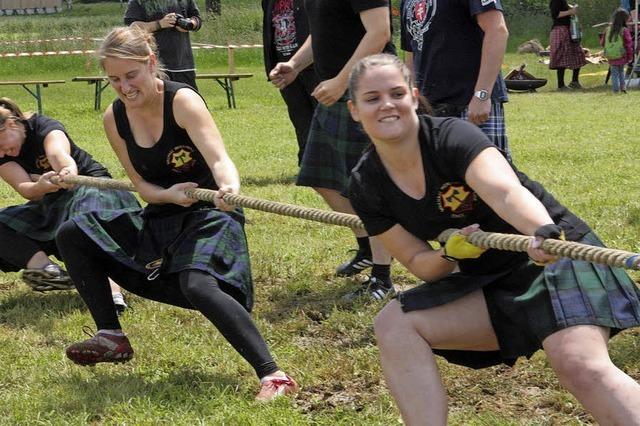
(457, 247)
(535, 251)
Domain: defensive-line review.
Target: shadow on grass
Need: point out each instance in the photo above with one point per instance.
(269, 180)
(127, 385)
(24, 309)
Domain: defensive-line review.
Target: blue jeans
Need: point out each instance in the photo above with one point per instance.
(617, 77)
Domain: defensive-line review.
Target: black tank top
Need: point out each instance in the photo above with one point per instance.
(173, 159)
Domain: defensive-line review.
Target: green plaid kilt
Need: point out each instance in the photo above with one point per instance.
(335, 145)
(40, 220)
(527, 303)
(157, 246)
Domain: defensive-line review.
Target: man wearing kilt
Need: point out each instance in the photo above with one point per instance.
(341, 33)
(565, 53)
(179, 251)
(455, 49)
(33, 150)
(426, 174)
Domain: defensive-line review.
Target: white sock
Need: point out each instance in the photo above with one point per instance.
(118, 333)
(276, 375)
(118, 299)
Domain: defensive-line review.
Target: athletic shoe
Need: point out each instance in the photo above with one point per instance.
(101, 347)
(359, 263)
(374, 288)
(274, 387)
(51, 277)
(575, 85)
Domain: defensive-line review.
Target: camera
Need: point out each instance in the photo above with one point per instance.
(184, 23)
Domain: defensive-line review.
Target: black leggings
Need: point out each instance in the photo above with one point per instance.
(560, 73)
(16, 250)
(192, 289)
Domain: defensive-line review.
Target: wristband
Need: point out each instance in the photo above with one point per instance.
(158, 26)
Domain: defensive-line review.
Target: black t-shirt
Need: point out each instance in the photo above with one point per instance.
(173, 159)
(557, 6)
(336, 31)
(174, 47)
(285, 28)
(33, 159)
(448, 146)
(446, 42)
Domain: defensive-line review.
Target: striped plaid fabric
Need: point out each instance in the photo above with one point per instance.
(335, 145)
(494, 127)
(528, 303)
(564, 52)
(206, 239)
(40, 220)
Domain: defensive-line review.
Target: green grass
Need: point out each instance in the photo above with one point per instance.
(579, 145)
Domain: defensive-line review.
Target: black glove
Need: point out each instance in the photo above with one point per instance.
(550, 231)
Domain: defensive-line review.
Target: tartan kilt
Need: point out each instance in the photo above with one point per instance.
(40, 220)
(335, 145)
(160, 246)
(564, 52)
(494, 127)
(527, 303)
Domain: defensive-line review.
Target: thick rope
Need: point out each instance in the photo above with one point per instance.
(570, 249)
(317, 215)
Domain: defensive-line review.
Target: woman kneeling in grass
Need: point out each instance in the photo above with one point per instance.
(423, 175)
(181, 252)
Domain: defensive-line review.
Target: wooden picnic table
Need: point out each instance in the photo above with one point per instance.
(225, 80)
(37, 83)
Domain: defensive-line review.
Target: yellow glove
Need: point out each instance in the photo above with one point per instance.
(457, 248)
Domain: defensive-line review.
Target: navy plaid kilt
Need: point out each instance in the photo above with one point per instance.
(527, 303)
(335, 145)
(40, 220)
(205, 239)
(494, 127)
(564, 52)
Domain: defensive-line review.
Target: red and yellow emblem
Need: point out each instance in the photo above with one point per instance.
(456, 198)
(180, 159)
(42, 163)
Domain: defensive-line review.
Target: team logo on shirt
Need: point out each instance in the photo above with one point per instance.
(456, 199)
(180, 159)
(486, 2)
(42, 163)
(418, 15)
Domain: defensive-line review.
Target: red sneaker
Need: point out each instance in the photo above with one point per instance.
(276, 386)
(101, 347)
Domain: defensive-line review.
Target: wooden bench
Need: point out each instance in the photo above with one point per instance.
(37, 83)
(225, 80)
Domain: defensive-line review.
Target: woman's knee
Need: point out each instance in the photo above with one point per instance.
(390, 324)
(67, 233)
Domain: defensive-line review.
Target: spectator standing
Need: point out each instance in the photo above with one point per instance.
(455, 49)
(170, 22)
(565, 54)
(341, 33)
(618, 48)
(285, 28)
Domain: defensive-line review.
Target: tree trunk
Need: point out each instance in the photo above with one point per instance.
(213, 6)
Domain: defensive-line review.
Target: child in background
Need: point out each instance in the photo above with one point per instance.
(618, 48)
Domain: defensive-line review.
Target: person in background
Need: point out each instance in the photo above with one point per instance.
(426, 174)
(180, 251)
(285, 28)
(618, 38)
(170, 22)
(456, 49)
(565, 54)
(342, 32)
(35, 151)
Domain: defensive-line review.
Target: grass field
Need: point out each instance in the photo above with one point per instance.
(582, 146)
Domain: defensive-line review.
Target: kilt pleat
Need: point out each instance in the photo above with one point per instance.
(334, 146)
